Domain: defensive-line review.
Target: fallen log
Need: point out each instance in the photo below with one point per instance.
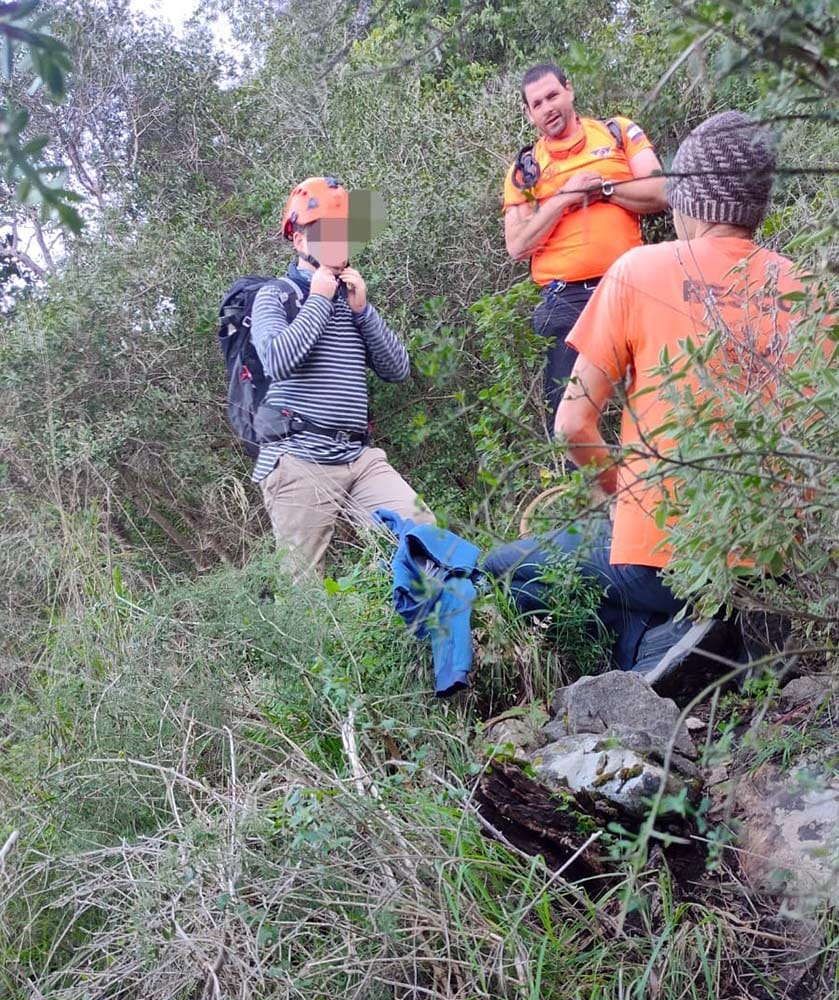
(539, 820)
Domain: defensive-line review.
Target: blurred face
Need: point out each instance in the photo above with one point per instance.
(327, 240)
(550, 107)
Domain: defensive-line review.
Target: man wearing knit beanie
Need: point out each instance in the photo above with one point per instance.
(722, 173)
(713, 278)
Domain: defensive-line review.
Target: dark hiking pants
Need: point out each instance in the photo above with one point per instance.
(561, 305)
(634, 598)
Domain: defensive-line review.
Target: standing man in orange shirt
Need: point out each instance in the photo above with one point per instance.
(572, 203)
(713, 280)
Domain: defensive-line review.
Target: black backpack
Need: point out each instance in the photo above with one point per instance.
(247, 381)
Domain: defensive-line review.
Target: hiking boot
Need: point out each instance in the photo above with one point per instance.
(674, 657)
(764, 632)
(764, 635)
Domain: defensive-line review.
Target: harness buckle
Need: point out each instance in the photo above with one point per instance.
(555, 286)
(342, 436)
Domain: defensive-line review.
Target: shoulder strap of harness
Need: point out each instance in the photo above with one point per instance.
(526, 170)
(615, 131)
(292, 296)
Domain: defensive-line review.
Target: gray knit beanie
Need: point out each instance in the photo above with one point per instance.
(724, 171)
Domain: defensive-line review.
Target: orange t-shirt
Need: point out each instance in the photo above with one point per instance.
(654, 298)
(585, 241)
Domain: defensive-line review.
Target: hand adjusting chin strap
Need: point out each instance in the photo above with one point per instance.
(341, 291)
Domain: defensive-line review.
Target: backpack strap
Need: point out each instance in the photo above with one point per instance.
(276, 423)
(292, 296)
(615, 131)
(526, 169)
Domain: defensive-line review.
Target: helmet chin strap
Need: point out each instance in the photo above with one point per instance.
(342, 288)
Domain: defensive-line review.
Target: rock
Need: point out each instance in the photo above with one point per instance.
(617, 703)
(789, 836)
(807, 690)
(694, 725)
(718, 775)
(653, 749)
(617, 779)
(604, 751)
(524, 732)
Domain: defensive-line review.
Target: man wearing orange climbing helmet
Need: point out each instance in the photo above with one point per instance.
(572, 202)
(315, 462)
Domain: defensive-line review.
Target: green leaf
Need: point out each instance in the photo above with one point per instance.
(19, 11)
(70, 218)
(18, 120)
(35, 147)
(54, 79)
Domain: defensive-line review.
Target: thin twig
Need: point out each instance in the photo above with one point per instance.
(11, 840)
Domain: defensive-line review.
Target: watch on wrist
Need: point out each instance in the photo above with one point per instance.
(607, 189)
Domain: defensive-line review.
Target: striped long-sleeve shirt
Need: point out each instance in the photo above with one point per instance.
(318, 369)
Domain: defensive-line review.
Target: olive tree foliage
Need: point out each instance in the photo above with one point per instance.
(30, 176)
(782, 61)
(757, 485)
(185, 177)
(185, 167)
(119, 111)
(100, 400)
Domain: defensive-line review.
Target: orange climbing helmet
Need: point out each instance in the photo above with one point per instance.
(313, 199)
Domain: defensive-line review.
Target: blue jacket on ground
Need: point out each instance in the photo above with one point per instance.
(433, 592)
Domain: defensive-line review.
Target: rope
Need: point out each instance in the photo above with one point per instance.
(529, 510)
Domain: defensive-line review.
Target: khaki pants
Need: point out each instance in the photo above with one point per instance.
(304, 500)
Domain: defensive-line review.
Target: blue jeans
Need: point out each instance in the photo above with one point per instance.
(634, 598)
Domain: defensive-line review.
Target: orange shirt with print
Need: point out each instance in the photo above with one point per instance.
(586, 240)
(654, 298)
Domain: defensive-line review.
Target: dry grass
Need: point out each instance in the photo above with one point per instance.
(269, 875)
